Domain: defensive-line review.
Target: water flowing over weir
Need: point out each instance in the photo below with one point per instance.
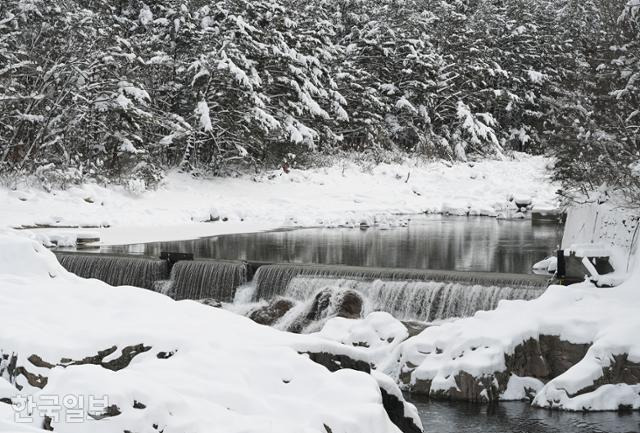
(199, 279)
(116, 270)
(413, 300)
(189, 279)
(408, 294)
(273, 280)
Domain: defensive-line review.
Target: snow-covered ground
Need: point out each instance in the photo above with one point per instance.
(162, 365)
(344, 193)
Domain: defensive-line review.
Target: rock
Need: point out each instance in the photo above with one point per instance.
(109, 411)
(329, 303)
(15, 371)
(393, 405)
(621, 370)
(347, 304)
(270, 314)
(334, 362)
(395, 408)
(350, 305)
(484, 389)
(214, 215)
(543, 359)
(414, 327)
(210, 302)
(522, 201)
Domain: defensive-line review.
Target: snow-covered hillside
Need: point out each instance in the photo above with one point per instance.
(163, 365)
(342, 194)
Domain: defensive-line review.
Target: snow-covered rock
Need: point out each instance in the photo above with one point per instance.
(311, 315)
(379, 332)
(155, 364)
(580, 341)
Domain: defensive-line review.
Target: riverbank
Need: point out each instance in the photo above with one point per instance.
(345, 194)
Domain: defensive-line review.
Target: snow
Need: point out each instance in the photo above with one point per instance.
(535, 76)
(390, 387)
(327, 196)
(127, 146)
(604, 318)
(136, 93)
(145, 16)
(518, 388)
(546, 266)
(226, 373)
(202, 110)
(379, 332)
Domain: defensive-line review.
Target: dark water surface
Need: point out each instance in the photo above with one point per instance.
(518, 417)
(427, 242)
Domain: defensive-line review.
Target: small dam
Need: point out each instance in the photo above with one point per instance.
(116, 270)
(273, 280)
(184, 279)
(408, 294)
(200, 279)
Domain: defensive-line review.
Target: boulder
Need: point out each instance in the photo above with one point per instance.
(271, 313)
(544, 359)
(522, 201)
(329, 303)
(211, 302)
(394, 403)
(414, 327)
(347, 304)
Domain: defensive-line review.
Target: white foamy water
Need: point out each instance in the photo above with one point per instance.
(413, 300)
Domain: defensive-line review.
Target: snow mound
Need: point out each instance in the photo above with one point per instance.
(155, 364)
(21, 257)
(379, 333)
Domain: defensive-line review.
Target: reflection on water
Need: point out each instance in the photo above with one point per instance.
(428, 242)
(518, 417)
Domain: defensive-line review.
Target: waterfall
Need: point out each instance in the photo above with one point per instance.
(116, 270)
(273, 280)
(413, 300)
(199, 279)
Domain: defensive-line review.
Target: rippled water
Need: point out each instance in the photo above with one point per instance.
(428, 242)
(519, 417)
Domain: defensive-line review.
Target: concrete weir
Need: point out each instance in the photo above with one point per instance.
(199, 279)
(183, 279)
(273, 280)
(410, 294)
(117, 270)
